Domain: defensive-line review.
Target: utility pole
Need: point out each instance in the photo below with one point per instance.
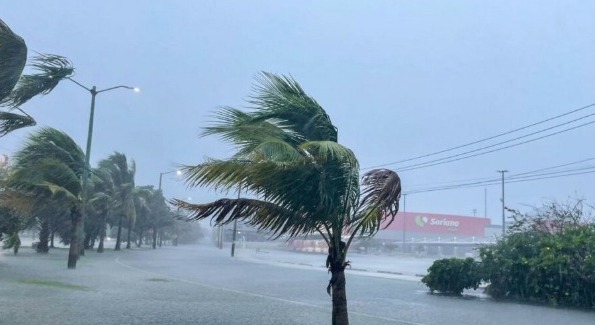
(404, 219)
(503, 206)
(485, 202)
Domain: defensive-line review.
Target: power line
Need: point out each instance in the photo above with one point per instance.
(481, 140)
(496, 181)
(440, 161)
(482, 179)
(553, 167)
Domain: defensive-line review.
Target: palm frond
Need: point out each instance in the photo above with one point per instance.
(47, 177)
(245, 132)
(381, 194)
(324, 152)
(22, 203)
(10, 122)
(51, 70)
(50, 143)
(266, 216)
(13, 57)
(281, 98)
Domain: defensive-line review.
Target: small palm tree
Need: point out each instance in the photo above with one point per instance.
(16, 88)
(122, 175)
(288, 155)
(47, 170)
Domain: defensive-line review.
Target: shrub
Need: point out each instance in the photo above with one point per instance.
(549, 257)
(453, 275)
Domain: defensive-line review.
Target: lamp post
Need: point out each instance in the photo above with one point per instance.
(235, 228)
(154, 244)
(94, 92)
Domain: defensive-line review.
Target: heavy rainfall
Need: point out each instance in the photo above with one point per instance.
(273, 162)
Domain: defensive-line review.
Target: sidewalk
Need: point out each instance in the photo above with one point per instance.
(397, 266)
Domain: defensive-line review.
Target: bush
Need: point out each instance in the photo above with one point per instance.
(549, 258)
(453, 275)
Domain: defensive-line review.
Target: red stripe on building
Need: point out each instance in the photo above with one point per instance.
(439, 224)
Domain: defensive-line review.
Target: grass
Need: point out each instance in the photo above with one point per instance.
(53, 284)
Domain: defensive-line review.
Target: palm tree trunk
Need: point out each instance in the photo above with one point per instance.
(102, 231)
(154, 237)
(339, 314)
(52, 231)
(140, 238)
(119, 233)
(73, 254)
(44, 236)
(87, 241)
(129, 231)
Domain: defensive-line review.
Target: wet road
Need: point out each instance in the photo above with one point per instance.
(202, 285)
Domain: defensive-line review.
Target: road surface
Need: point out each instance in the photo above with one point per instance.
(203, 285)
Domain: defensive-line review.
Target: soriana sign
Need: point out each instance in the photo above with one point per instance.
(439, 224)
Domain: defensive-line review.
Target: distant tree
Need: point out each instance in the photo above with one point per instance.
(161, 217)
(122, 175)
(288, 156)
(102, 201)
(10, 225)
(17, 88)
(47, 169)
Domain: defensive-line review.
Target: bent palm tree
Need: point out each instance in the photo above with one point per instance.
(102, 200)
(287, 154)
(15, 88)
(48, 170)
(122, 176)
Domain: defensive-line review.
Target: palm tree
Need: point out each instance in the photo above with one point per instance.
(48, 170)
(142, 196)
(15, 88)
(288, 155)
(102, 200)
(123, 179)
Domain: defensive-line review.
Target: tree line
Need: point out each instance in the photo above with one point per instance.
(41, 187)
(42, 190)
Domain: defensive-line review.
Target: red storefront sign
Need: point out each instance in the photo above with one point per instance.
(439, 224)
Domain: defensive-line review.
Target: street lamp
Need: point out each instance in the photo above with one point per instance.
(87, 168)
(165, 173)
(235, 227)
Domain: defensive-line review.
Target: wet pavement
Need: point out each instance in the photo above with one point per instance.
(203, 285)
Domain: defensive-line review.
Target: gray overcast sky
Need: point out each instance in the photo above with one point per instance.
(399, 79)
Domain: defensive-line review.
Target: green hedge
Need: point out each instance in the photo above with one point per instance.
(453, 275)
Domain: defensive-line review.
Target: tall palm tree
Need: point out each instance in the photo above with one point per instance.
(288, 155)
(16, 88)
(48, 170)
(102, 200)
(122, 175)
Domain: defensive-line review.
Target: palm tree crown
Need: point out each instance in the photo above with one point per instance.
(287, 154)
